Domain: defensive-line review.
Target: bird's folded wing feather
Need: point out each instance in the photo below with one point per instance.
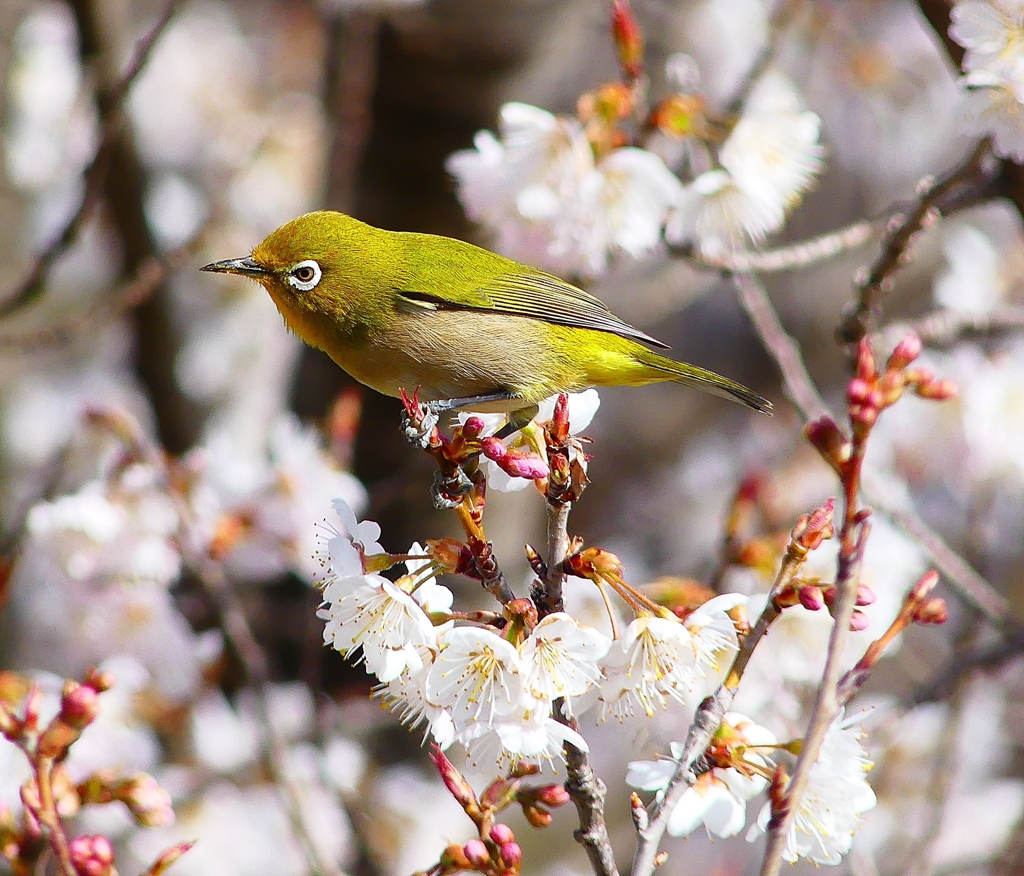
(538, 296)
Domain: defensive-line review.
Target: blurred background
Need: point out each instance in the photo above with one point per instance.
(127, 375)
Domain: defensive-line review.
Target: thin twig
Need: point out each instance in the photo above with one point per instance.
(972, 587)
(588, 793)
(706, 721)
(827, 704)
(937, 197)
(782, 348)
(989, 659)
(558, 550)
(940, 328)
(95, 174)
(796, 255)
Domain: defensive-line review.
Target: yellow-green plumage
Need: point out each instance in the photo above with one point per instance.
(400, 310)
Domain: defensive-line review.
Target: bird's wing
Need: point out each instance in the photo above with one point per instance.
(538, 296)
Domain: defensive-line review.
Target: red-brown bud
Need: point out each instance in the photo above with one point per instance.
(167, 858)
(932, 611)
(829, 440)
(457, 786)
(472, 428)
(939, 389)
(629, 41)
(537, 816)
(865, 368)
(552, 796)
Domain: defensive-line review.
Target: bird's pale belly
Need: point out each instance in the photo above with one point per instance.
(460, 354)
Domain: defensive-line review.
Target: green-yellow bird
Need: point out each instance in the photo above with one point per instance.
(471, 329)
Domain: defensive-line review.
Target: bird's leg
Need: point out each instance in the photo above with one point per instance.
(518, 420)
(417, 432)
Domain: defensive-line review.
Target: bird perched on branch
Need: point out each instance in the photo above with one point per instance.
(471, 329)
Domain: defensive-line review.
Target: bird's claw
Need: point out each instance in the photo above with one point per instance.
(419, 429)
(447, 490)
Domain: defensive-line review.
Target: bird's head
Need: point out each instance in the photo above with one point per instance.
(305, 263)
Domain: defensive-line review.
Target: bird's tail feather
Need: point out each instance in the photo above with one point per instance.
(707, 381)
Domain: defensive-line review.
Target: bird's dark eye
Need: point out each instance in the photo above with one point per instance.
(305, 275)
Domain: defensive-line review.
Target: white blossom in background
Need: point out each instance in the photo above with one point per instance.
(718, 799)
(274, 499)
(767, 163)
(972, 281)
(992, 32)
(837, 794)
(107, 556)
(992, 406)
(537, 188)
(582, 408)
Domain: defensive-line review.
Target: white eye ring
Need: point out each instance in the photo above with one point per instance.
(305, 275)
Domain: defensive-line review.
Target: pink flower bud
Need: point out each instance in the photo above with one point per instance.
(865, 595)
(527, 466)
(502, 833)
(552, 795)
(859, 621)
(92, 855)
(472, 428)
(147, 800)
(457, 786)
(858, 390)
(865, 361)
(906, 352)
(79, 706)
(493, 448)
(811, 598)
(476, 853)
(168, 857)
(511, 855)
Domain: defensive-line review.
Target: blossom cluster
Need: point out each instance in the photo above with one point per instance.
(492, 687)
(556, 192)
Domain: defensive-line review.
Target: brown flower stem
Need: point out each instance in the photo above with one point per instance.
(902, 230)
(587, 792)
(48, 816)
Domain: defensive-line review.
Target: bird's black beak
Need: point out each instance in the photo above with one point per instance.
(246, 267)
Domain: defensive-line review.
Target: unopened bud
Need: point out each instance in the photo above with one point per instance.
(147, 800)
(92, 855)
(906, 352)
(99, 680)
(537, 816)
(932, 611)
(559, 429)
(859, 621)
(552, 796)
(476, 853)
(865, 369)
(810, 598)
(940, 389)
(858, 391)
(453, 859)
(79, 705)
(511, 854)
(865, 595)
(828, 439)
(168, 857)
(593, 562)
(629, 41)
(457, 786)
(502, 833)
(472, 428)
